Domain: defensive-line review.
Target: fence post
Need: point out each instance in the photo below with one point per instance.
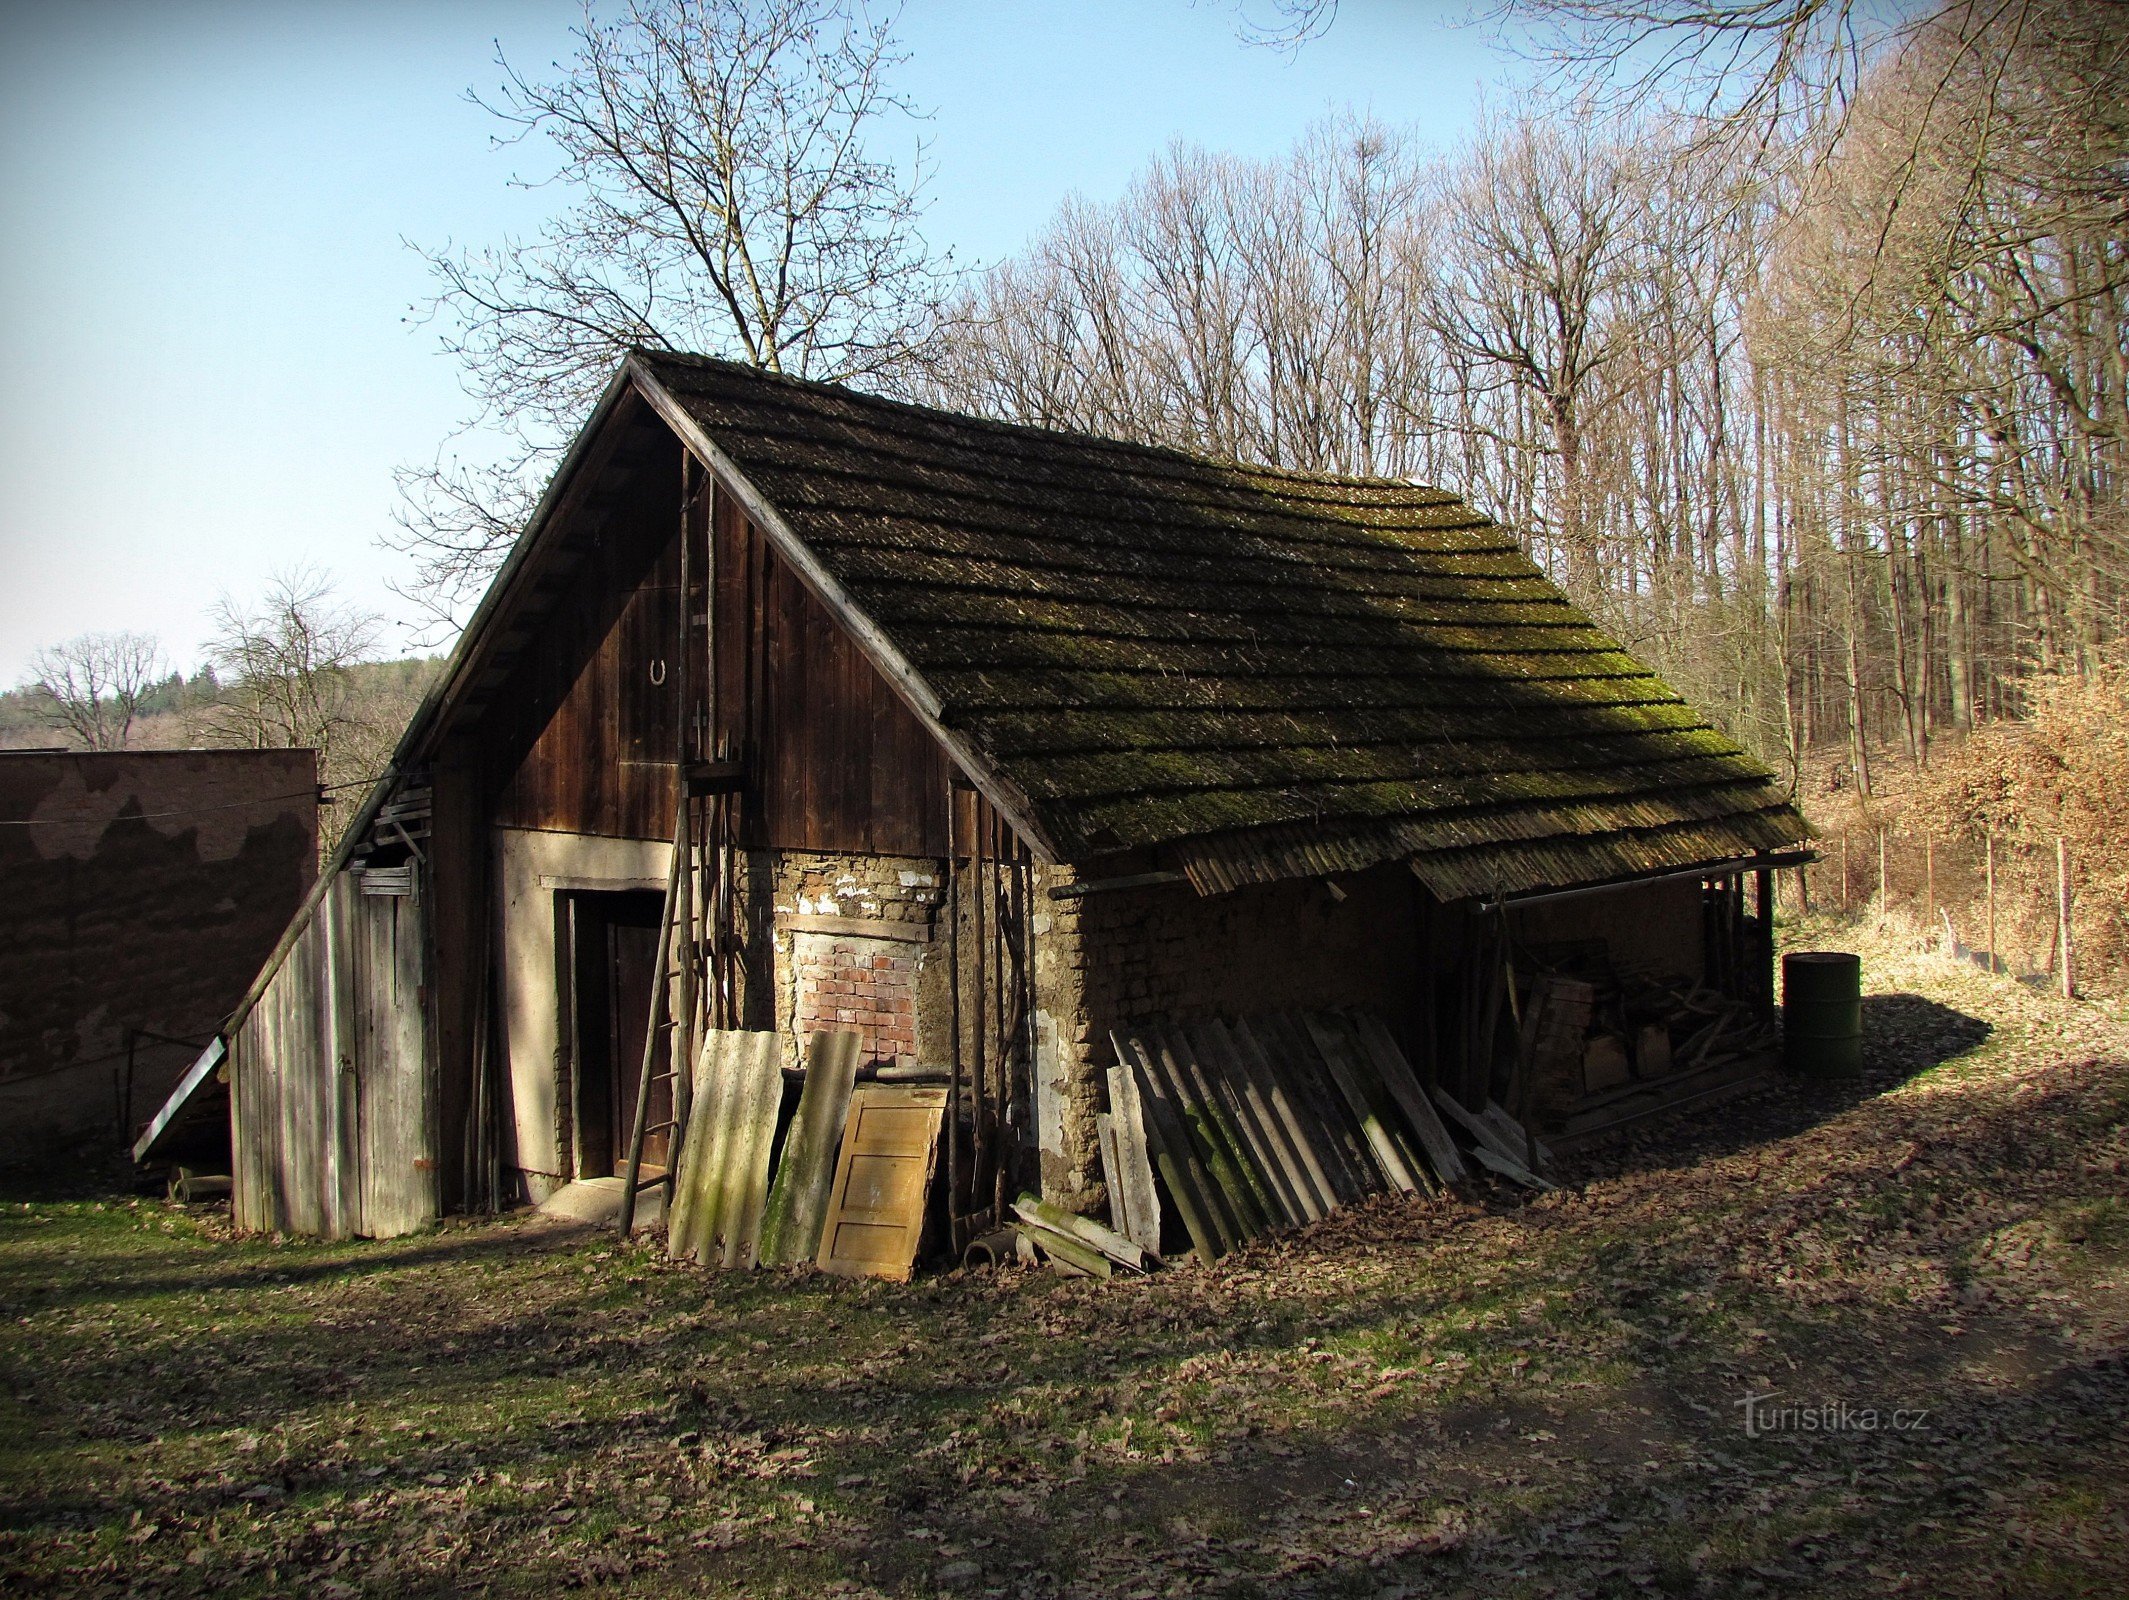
(1990, 847)
(1881, 872)
(2062, 914)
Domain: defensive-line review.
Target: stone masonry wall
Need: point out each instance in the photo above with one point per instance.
(1123, 956)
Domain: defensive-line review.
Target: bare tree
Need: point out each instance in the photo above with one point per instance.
(1265, 310)
(284, 664)
(1283, 24)
(723, 198)
(91, 687)
(1528, 296)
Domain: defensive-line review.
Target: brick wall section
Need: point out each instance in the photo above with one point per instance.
(841, 982)
(1124, 956)
(847, 980)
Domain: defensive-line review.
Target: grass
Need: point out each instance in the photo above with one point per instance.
(1479, 1396)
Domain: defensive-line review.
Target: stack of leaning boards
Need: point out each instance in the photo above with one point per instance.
(1267, 1122)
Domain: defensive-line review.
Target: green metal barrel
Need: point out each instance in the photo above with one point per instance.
(1822, 1013)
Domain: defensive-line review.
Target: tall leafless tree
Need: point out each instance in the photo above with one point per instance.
(91, 687)
(724, 195)
(284, 663)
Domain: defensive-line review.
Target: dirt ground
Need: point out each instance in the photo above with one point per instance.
(1832, 1339)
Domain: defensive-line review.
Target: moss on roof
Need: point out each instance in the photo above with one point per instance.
(1266, 671)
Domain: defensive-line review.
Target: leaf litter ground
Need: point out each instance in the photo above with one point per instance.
(1919, 1281)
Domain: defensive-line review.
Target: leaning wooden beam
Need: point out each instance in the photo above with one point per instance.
(1169, 1145)
(1311, 1180)
(1134, 1165)
(1220, 1142)
(1517, 1135)
(1513, 1171)
(1398, 1077)
(798, 1200)
(1346, 1075)
(1215, 1059)
(1491, 1150)
(1274, 1146)
(1292, 1058)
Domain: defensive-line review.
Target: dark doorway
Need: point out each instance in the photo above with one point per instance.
(614, 949)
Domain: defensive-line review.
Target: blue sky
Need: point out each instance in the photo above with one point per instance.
(207, 367)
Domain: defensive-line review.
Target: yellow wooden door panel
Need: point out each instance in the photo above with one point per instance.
(882, 1176)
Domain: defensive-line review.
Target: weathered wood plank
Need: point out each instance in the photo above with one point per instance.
(1352, 1169)
(1220, 1141)
(1215, 1057)
(1034, 1209)
(1490, 1148)
(1062, 1248)
(1398, 1077)
(798, 1201)
(1134, 1163)
(1513, 1171)
(1312, 1182)
(1169, 1143)
(1346, 1073)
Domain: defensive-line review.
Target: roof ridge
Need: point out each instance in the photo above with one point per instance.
(1035, 430)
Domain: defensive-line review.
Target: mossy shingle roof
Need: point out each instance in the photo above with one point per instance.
(1262, 673)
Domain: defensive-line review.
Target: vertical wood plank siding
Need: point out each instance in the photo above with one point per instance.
(585, 731)
(585, 728)
(331, 1078)
(836, 761)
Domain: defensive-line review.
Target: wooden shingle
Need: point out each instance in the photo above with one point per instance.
(1260, 672)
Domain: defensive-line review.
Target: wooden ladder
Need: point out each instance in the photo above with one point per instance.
(662, 1024)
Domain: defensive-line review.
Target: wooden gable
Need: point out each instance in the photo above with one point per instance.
(585, 734)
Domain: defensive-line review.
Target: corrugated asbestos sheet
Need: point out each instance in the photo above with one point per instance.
(1280, 673)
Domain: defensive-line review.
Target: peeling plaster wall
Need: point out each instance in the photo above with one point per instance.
(142, 890)
(888, 987)
(533, 869)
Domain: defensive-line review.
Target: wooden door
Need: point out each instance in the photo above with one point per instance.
(616, 950)
(882, 1179)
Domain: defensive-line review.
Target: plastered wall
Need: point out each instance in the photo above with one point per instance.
(531, 869)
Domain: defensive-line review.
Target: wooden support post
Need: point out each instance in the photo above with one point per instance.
(2062, 916)
(956, 1212)
(682, 913)
(1844, 870)
(1763, 957)
(1989, 859)
(1881, 872)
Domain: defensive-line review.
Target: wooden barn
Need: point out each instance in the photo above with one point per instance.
(796, 711)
